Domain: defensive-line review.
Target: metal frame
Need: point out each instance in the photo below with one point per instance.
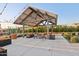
(44, 16)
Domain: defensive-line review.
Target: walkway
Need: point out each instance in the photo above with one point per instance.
(40, 47)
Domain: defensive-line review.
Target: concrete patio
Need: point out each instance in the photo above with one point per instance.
(41, 47)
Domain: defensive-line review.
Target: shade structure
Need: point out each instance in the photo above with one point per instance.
(33, 17)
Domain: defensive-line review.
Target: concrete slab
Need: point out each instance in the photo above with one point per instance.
(41, 47)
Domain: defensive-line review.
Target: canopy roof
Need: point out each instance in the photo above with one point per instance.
(33, 16)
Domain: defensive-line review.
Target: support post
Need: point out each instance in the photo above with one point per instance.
(37, 31)
(23, 30)
(47, 29)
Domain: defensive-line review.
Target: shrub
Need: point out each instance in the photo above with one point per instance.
(74, 39)
(73, 34)
(77, 29)
(67, 35)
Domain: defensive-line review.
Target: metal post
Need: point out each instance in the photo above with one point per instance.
(52, 28)
(47, 29)
(37, 31)
(23, 30)
(9, 31)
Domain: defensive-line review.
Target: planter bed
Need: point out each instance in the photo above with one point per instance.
(5, 42)
(3, 52)
(13, 36)
(51, 37)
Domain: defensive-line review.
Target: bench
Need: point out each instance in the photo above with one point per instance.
(5, 42)
(3, 52)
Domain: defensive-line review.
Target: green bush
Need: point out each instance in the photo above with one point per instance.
(67, 36)
(73, 34)
(71, 37)
(77, 29)
(74, 39)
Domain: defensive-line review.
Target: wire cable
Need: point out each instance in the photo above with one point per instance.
(3, 9)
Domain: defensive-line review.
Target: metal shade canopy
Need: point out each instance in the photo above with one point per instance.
(33, 17)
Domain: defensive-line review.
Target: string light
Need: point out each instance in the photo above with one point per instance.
(3, 9)
(14, 16)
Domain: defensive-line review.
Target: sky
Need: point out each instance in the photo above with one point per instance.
(67, 13)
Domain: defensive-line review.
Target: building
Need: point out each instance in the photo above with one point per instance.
(75, 24)
(5, 26)
(72, 25)
(9, 25)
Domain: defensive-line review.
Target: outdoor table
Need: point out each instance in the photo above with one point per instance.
(30, 35)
